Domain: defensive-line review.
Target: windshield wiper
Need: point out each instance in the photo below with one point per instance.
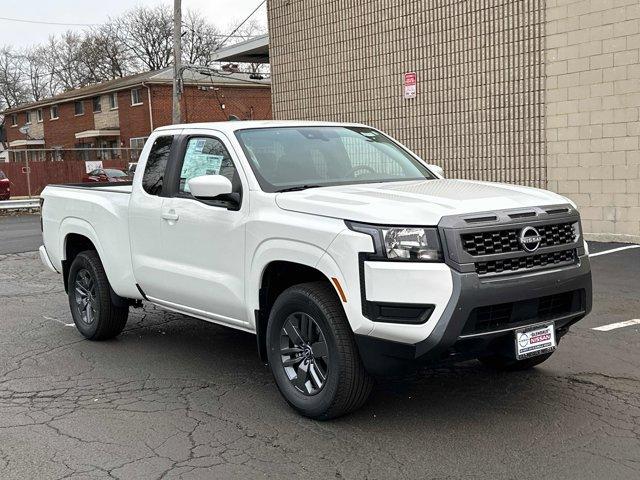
(298, 188)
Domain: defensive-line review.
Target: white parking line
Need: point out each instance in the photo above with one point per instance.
(59, 321)
(613, 326)
(613, 250)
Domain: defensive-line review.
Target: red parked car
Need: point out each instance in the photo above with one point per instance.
(106, 175)
(5, 187)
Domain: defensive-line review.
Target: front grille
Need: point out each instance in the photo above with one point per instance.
(506, 241)
(514, 314)
(564, 257)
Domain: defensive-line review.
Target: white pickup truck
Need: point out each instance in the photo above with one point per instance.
(342, 251)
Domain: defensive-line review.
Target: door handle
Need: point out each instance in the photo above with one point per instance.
(170, 216)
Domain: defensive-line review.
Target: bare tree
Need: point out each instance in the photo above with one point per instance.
(136, 41)
(36, 74)
(64, 59)
(104, 54)
(146, 34)
(199, 39)
(13, 90)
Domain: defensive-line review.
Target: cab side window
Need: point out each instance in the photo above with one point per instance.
(207, 156)
(152, 180)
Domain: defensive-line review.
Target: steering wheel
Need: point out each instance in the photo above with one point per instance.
(365, 168)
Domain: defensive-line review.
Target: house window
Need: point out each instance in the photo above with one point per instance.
(54, 112)
(97, 106)
(113, 101)
(39, 115)
(136, 96)
(27, 118)
(79, 107)
(14, 119)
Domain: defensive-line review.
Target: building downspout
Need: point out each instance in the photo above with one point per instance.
(149, 101)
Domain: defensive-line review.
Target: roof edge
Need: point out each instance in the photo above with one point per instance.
(150, 80)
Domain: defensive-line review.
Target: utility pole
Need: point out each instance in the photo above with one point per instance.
(177, 59)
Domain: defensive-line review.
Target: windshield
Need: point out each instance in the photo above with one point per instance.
(285, 158)
(2, 175)
(114, 173)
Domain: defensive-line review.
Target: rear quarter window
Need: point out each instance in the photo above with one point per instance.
(154, 171)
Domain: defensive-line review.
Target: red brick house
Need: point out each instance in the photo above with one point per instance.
(123, 112)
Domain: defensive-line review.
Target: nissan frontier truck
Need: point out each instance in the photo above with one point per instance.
(344, 253)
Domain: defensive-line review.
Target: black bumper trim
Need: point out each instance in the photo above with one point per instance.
(383, 357)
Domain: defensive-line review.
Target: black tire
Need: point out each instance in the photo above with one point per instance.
(347, 384)
(100, 319)
(498, 362)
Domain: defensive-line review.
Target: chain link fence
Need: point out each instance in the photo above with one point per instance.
(73, 154)
(30, 170)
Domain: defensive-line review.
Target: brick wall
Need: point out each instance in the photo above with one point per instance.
(479, 107)
(36, 130)
(198, 105)
(134, 119)
(206, 105)
(246, 103)
(12, 132)
(61, 132)
(592, 108)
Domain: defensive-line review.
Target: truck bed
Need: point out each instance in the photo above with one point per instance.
(99, 212)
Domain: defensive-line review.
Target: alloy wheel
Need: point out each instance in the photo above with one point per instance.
(303, 352)
(85, 296)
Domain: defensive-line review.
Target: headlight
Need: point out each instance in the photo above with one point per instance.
(403, 243)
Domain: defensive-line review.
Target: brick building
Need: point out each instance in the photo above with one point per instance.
(123, 112)
(538, 92)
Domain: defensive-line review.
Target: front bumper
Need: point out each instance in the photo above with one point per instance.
(449, 341)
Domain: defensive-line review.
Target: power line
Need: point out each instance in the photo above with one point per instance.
(184, 24)
(219, 35)
(241, 24)
(43, 22)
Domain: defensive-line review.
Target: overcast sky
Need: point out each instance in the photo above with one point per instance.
(223, 13)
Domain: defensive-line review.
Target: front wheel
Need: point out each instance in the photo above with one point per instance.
(92, 308)
(313, 354)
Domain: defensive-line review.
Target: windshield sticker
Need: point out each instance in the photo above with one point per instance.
(196, 165)
(199, 145)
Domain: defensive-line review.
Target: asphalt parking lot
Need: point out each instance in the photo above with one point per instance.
(19, 233)
(174, 397)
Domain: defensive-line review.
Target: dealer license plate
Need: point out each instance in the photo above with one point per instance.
(535, 340)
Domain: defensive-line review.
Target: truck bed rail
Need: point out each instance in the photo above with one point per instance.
(103, 187)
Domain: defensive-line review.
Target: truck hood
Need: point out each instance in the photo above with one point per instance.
(422, 202)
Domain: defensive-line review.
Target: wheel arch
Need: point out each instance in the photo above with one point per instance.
(78, 238)
(77, 235)
(275, 278)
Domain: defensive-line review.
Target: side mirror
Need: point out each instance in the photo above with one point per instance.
(209, 186)
(436, 169)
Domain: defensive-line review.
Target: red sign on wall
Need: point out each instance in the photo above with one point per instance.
(410, 84)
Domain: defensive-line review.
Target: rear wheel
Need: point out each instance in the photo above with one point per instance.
(313, 354)
(499, 362)
(92, 308)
